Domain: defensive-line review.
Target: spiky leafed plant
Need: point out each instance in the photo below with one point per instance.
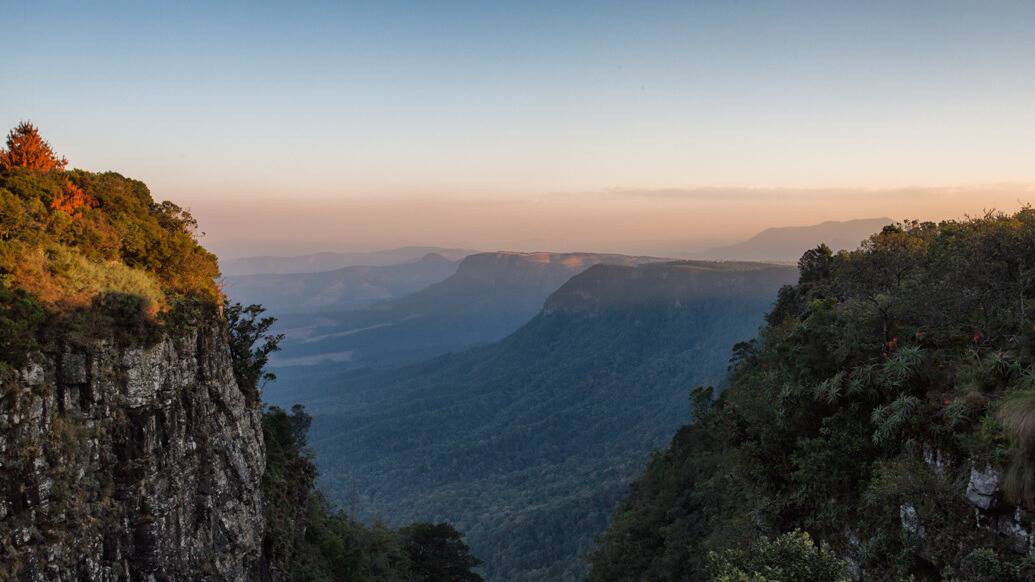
(1017, 413)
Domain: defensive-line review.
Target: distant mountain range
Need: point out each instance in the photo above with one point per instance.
(489, 296)
(343, 288)
(527, 444)
(788, 243)
(329, 261)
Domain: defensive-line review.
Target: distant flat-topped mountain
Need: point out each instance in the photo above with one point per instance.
(527, 444)
(489, 296)
(329, 261)
(786, 244)
(339, 289)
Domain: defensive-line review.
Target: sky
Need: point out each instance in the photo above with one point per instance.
(553, 125)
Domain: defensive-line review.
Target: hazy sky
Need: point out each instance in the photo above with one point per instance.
(548, 124)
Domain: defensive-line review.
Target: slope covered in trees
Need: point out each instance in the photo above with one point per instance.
(886, 409)
(525, 445)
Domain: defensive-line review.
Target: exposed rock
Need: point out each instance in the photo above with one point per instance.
(1013, 527)
(983, 488)
(934, 459)
(911, 520)
(130, 464)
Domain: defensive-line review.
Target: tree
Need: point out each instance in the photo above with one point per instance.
(247, 329)
(437, 552)
(26, 148)
(72, 199)
(816, 264)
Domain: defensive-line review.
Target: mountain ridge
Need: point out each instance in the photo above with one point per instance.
(343, 288)
(787, 243)
(332, 260)
(489, 296)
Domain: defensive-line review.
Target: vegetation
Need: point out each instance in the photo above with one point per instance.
(70, 238)
(879, 382)
(250, 355)
(792, 556)
(306, 538)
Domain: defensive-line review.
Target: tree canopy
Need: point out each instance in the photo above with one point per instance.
(882, 381)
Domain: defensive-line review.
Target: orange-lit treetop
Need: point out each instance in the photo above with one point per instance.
(26, 148)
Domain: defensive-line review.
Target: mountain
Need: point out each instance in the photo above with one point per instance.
(329, 261)
(343, 288)
(526, 444)
(489, 296)
(786, 244)
(880, 428)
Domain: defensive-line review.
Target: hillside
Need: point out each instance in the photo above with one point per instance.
(786, 244)
(330, 261)
(489, 296)
(345, 288)
(886, 411)
(526, 444)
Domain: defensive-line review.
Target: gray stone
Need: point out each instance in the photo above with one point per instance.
(983, 488)
(165, 443)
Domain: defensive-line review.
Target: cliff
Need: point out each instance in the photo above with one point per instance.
(133, 442)
(130, 461)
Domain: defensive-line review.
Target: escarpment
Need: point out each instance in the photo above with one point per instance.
(130, 461)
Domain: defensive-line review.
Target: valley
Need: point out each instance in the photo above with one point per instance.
(541, 431)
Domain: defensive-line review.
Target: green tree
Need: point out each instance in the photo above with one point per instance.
(437, 553)
(251, 344)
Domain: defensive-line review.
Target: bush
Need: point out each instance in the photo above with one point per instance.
(791, 556)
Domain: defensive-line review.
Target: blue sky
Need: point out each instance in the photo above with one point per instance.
(460, 101)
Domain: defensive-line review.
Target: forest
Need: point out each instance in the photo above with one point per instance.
(882, 424)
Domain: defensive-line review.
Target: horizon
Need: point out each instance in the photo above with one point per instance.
(593, 127)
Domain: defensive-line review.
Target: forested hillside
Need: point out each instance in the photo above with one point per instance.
(887, 410)
(526, 445)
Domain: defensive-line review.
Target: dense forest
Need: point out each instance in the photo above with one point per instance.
(526, 445)
(883, 424)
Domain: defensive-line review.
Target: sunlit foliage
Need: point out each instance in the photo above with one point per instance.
(27, 149)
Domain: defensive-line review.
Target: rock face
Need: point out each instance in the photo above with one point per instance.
(130, 463)
(983, 488)
(983, 492)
